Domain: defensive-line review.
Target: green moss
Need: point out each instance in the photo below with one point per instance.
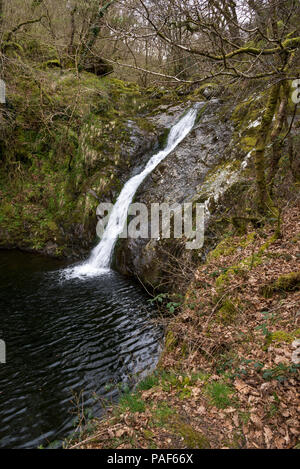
(241, 111)
(165, 416)
(248, 143)
(51, 63)
(53, 168)
(199, 91)
(170, 341)
(246, 112)
(7, 209)
(284, 283)
(148, 382)
(201, 112)
(193, 439)
(184, 350)
(145, 124)
(163, 138)
(228, 311)
(224, 248)
(218, 169)
(280, 337)
(52, 226)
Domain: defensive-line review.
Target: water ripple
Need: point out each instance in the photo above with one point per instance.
(65, 337)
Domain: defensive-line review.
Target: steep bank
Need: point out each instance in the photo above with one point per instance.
(229, 373)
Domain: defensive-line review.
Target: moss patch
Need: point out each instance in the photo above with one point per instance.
(192, 437)
(284, 283)
(278, 337)
(228, 311)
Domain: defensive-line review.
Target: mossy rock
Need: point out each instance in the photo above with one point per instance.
(193, 439)
(47, 198)
(228, 311)
(51, 64)
(229, 245)
(248, 143)
(246, 112)
(280, 337)
(224, 248)
(285, 283)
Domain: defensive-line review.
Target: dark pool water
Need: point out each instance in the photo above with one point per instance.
(64, 338)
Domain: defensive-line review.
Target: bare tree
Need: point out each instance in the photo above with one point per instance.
(253, 40)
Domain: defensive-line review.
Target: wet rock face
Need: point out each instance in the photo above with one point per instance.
(177, 179)
(137, 150)
(81, 237)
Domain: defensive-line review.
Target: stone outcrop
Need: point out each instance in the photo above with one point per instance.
(203, 168)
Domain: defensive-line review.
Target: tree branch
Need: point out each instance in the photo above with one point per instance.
(19, 26)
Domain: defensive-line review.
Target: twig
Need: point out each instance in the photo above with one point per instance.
(86, 440)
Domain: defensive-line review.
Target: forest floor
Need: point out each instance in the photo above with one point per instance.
(228, 376)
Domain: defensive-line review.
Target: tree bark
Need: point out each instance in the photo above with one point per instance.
(277, 129)
(94, 32)
(1, 14)
(260, 147)
(72, 35)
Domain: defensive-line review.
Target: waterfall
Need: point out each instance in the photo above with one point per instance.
(100, 257)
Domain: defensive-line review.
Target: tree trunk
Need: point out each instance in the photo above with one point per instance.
(1, 35)
(1, 15)
(260, 147)
(72, 35)
(94, 32)
(277, 129)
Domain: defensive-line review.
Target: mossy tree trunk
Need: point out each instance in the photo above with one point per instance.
(1, 34)
(93, 32)
(261, 143)
(277, 129)
(1, 16)
(278, 97)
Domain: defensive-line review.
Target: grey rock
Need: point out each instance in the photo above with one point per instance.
(178, 179)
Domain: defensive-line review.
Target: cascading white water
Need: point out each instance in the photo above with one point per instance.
(100, 257)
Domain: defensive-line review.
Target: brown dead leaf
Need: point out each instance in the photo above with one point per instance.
(268, 436)
(256, 420)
